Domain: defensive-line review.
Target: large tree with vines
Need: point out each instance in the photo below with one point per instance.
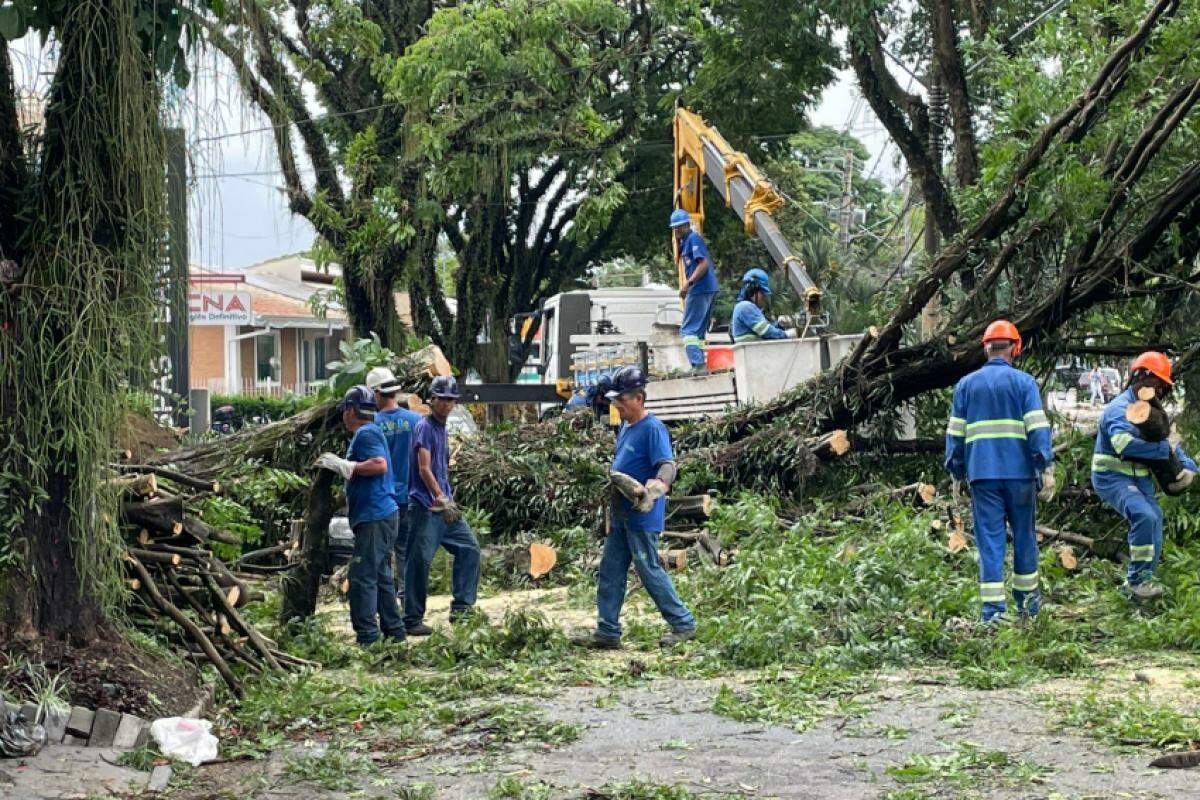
(82, 221)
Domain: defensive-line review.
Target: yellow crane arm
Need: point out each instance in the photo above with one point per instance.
(701, 151)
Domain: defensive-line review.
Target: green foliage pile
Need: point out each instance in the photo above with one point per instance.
(266, 408)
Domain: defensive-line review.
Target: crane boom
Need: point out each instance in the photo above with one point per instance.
(701, 151)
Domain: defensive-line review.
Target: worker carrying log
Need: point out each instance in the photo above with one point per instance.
(748, 323)
(699, 289)
(371, 500)
(643, 470)
(999, 439)
(435, 518)
(1122, 479)
(397, 424)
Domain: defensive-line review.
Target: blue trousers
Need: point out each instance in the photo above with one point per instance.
(996, 503)
(1134, 499)
(401, 550)
(697, 315)
(372, 594)
(620, 548)
(428, 532)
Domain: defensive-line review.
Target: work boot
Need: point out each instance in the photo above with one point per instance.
(1144, 592)
(420, 629)
(677, 636)
(595, 641)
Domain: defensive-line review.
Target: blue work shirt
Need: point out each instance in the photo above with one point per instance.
(397, 425)
(430, 435)
(370, 497)
(577, 400)
(1118, 439)
(749, 325)
(997, 428)
(641, 448)
(692, 249)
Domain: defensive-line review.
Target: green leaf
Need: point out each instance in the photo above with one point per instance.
(12, 25)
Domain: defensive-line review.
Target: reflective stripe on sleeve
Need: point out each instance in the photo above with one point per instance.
(1121, 440)
(956, 427)
(1107, 463)
(761, 327)
(1036, 419)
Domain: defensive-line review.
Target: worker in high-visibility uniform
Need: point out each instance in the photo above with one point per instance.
(998, 439)
(748, 323)
(699, 289)
(1126, 485)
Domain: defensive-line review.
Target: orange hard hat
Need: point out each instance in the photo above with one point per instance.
(1155, 363)
(1003, 331)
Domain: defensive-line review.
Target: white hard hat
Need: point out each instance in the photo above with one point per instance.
(380, 378)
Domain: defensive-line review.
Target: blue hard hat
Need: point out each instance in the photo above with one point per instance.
(680, 217)
(757, 279)
(444, 386)
(600, 388)
(626, 379)
(359, 398)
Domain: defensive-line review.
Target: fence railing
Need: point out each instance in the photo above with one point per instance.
(252, 388)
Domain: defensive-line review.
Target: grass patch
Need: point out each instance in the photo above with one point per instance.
(968, 765)
(337, 768)
(796, 700)
(1125, 720)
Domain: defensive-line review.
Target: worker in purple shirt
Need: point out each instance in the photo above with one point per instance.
(397, 424)
(371, 502)
(434, 517)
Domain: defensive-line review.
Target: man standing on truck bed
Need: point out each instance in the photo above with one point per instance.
(699, 288)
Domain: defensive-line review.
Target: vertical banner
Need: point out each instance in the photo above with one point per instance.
(170, 368)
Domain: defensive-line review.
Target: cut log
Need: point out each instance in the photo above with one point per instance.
(673, 560)
(172, 559)
(709, 544)
(1137, 412)
(154, 516)
(230, 616)
(300, 586)
(1146, 393)
(136, 485)
(208, 486)
(832, 445)
(693, 507)
(264, 554)
(542, 559)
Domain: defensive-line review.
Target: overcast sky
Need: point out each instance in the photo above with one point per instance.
(239, 215)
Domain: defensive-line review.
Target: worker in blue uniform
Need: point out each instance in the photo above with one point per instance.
(699, 289)
(1125, 484)
(748, 323)
(998, 439)
(643, 470)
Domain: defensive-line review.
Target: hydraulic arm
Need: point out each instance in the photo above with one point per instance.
(701, 151)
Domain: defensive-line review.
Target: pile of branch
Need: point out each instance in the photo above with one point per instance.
(183, 593)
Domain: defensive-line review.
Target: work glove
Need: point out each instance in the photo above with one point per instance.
(653, 490)
(449, 510)
(1182, 481)
(785, 322)
(630, 488)
(791, 333)
(336, 463)
(1048, 484)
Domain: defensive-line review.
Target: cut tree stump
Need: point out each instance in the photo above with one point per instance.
(673, 560)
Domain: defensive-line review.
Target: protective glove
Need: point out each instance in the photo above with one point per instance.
(653, 490)
(1182, 481)
(785, 322)
(449, 510)
(630, 488)
(791, 333)
(335, 463)
(1049, 483)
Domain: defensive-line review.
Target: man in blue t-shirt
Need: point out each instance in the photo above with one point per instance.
(397, 425)
(435, 518)
(643, 469)
(699, 288)
(371, 500)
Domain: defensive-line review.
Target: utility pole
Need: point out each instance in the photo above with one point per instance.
(932, 313)
(847, 197)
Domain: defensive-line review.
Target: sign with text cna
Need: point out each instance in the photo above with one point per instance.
(218, 307)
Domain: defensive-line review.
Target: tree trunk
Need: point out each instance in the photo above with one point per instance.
(300, 585)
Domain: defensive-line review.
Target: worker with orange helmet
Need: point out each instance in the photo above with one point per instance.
(1125, 484)
(998, 439)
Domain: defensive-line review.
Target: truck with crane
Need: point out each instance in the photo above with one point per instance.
(585, 334)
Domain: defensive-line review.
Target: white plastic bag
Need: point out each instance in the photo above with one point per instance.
(186, 739)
